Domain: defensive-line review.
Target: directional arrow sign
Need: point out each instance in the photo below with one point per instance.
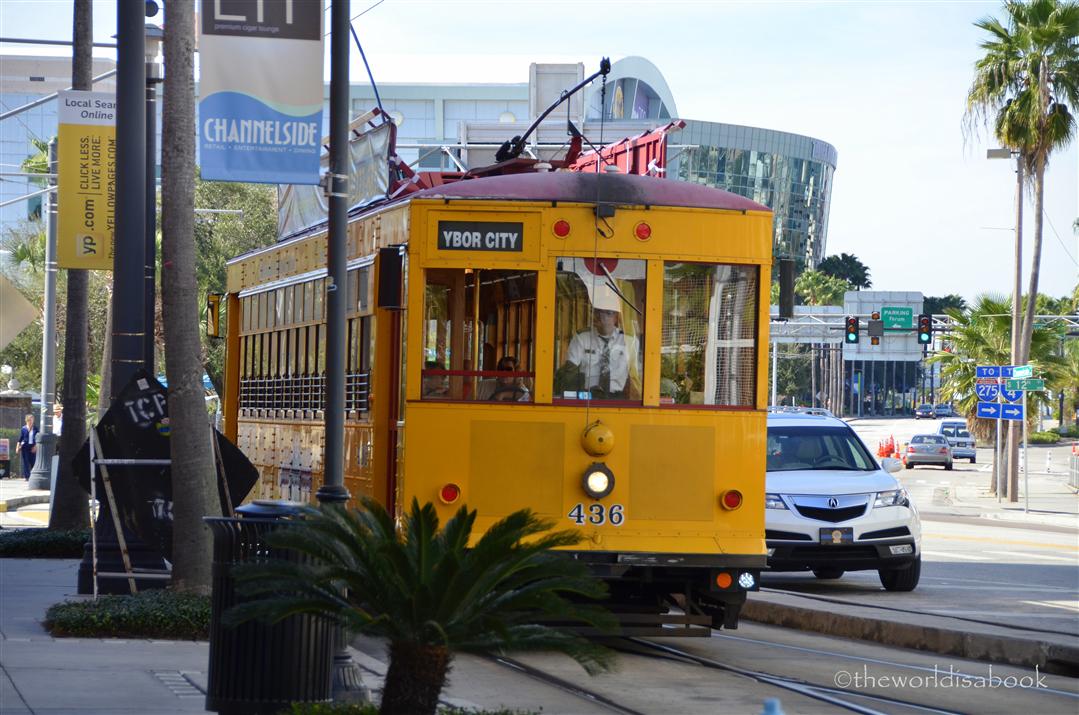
(989, 410)
(987, 392)
(1022, 371)
(1030, 384)
(987, 371)
(1012, 412)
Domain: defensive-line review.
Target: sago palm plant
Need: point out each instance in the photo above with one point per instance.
(427, 592)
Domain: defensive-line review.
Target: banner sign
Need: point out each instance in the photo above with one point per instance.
(260, 84)
(480, 236)
(86, 185)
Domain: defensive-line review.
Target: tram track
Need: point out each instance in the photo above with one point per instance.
(562, 684)
(894, 609)
(825, 693)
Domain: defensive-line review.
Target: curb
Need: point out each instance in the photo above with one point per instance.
(17, 503)
(1048, 657)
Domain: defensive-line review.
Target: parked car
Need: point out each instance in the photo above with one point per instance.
(924, 412)
(928, 449)
(943, 410)
(960, 439)
(831, 508)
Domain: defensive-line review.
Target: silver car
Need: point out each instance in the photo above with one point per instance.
(960, 439)
(928, 449)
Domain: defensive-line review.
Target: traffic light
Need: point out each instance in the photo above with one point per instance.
(925, 329)
(852, 329)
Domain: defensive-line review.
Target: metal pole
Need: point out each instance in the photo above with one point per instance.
(153, 77)
(1026, 463)
(1017, 301)
(347, 682)
(128, 331)
(41, 475)
(775, 364)
(998, 453)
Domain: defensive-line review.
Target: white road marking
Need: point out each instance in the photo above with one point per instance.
(1066, 605)
(1027, 554)
(955, 555)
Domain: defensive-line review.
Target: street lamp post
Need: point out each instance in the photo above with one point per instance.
(1017, 300)
(41, 475)
(154, 77)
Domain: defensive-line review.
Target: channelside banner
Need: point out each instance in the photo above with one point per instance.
(260, 80)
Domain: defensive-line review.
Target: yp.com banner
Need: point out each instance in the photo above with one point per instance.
(86, 185)
(260, 80)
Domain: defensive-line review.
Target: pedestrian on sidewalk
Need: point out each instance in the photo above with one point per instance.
(27, 446)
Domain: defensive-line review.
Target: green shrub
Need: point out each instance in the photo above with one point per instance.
(1072, 431)
(149, 614)
(42, 544)
(1043, 438)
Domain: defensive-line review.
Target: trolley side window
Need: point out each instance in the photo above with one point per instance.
(478, 328)
(599, 329)
(709, 336)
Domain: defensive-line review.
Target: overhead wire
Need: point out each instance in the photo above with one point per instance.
(1059, 239)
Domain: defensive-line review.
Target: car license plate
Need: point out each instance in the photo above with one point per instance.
(837, 535)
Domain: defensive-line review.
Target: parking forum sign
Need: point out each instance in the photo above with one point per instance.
(86, 185)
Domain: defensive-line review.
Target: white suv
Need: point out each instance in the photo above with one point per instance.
(830, 508)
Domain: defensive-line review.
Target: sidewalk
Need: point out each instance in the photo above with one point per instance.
(57, 676)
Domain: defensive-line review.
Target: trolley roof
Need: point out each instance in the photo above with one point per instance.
(575, 187)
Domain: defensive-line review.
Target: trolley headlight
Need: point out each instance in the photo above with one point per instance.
(598, 480)
(895, 497)
(774, 501)
(746, 580)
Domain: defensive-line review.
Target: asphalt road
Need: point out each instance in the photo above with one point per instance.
(982, 559)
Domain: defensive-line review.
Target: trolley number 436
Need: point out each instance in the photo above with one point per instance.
(597, 514)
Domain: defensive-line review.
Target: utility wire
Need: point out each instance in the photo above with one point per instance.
(1059, 239)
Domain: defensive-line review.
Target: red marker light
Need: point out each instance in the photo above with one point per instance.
(642, 231)
(561, 228)
(731, 499)
(449, 493)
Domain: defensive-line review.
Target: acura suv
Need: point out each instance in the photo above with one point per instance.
(831, 508)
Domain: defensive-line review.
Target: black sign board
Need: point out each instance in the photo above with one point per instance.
(279, 19)
(507, 236)
(137, 427)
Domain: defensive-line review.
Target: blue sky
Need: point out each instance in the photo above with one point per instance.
(884, 82)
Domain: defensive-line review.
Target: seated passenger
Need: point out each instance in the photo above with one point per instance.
(434, 386)
(505, 389)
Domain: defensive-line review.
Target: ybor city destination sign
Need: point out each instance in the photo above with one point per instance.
(86, 185)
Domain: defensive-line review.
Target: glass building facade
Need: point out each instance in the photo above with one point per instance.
(789, 173)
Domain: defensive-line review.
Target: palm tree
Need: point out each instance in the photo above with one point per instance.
(818, 288)
(426, 592)
(197, 495)
(982, 336)
(1024, 85)
(69, 508)
(847, 267)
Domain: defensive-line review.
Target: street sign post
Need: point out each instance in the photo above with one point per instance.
(1032, 384)
(1022, 371)
(895, 318)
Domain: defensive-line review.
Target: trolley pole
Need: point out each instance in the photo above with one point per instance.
(347, 682)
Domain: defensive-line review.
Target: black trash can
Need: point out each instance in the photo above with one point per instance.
(259, 667)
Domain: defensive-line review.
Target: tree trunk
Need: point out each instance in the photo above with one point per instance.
(415, 679)
(69, 507)
(1035, 263)
(194, 474)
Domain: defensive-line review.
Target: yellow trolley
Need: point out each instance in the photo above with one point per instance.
(590, 346)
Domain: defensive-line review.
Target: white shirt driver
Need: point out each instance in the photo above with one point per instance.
(585, 351)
